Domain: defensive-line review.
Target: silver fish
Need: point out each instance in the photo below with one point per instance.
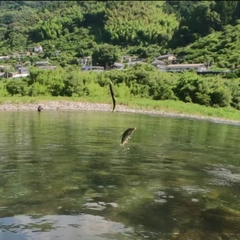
(126, 135)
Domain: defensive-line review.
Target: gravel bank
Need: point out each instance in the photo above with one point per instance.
(85, 106)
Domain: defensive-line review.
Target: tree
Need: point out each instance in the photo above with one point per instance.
(17, 87)
(105, 55)
(226, 10)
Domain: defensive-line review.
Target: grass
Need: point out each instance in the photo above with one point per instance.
(168, 106)
(179, 107)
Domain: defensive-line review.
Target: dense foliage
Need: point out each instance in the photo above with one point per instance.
(220, 49)
(140, 81)
(143, 28)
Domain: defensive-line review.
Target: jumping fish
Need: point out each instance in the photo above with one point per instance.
(113, 96)
(126, 135)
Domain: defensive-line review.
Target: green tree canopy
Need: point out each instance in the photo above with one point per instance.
(105, 54)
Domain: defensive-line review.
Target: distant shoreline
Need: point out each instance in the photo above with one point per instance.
(101, 107)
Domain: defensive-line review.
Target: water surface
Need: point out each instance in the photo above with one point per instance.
(64, 175)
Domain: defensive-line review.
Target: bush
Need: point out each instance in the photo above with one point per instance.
(17, 87)
(38, 89)
(220, 97)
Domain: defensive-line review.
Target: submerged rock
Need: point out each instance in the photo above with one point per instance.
(222, 220)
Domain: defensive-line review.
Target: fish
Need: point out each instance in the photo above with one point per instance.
(126, 135)
(113, 96)
(40, 108)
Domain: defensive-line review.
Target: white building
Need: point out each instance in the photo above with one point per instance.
(4, 57)
(20, 75)
(199, 67)
(118, 66)
(38, 49)
(85, 60)
(45, 65)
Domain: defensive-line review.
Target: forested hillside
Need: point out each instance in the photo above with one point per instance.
(198, 30)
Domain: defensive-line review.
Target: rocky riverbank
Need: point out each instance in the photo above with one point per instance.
(86, 106)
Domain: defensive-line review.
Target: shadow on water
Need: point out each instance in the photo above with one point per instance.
(64, 175)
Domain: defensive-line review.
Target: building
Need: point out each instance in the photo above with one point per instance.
(18, 66)
(127, 59)
(157, 63)
(45, 65)
(169, 58)
(41, 64)
(92, 68)
(85, 61)
(23, 70)
(4, 57)
(118, 66)
(38, 49)
(19, 75)
(199, 67)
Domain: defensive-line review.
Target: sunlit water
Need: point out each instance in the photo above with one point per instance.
(64, 175)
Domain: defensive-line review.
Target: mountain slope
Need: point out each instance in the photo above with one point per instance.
(201, 30)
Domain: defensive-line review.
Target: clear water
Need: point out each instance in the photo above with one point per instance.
(64, 175)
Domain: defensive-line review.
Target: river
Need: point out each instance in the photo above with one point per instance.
(64, 175)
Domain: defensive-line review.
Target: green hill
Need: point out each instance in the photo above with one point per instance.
(221, 48)
(199, 30)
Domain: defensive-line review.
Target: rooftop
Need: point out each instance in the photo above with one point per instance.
(187, 65)
(164, 56)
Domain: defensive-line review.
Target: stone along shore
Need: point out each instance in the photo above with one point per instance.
(103, 107)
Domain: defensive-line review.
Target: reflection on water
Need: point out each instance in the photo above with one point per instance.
(83, 226)
(64, 175)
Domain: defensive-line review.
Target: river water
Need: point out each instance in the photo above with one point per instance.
(64, 175)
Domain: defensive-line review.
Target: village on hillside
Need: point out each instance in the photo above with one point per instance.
(167, 62)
